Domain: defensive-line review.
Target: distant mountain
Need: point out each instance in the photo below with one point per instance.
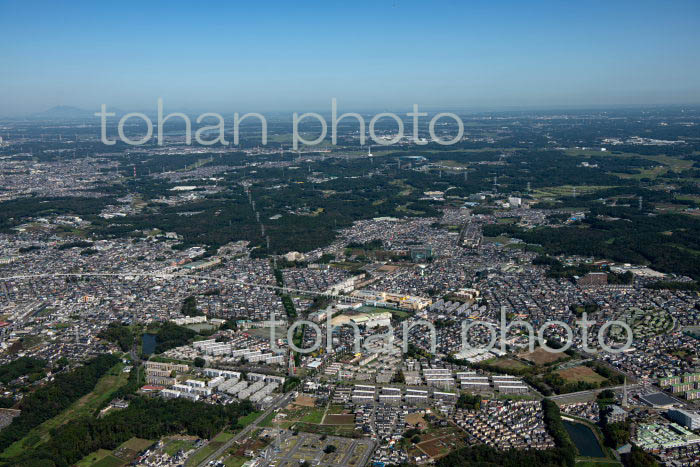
(63, 112)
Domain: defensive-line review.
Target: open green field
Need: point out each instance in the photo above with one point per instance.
(85, 406)
(94, 457)
(209, 449)
(594, 152)
(348, 265)
(223, 436)
(267, 421)
(314, 415)
(247, 420)
(121, 456)
(305, 414)
(406, 190)
(235, 461)
(199, 456)
(375, 310)
(693, 198)
(178, 444)
(595, 463)
(346, 431)
(567, 190)
(136, 444)
(666, 163)
(581, 373)
(109, 461)
(335, 409)
(502, 239)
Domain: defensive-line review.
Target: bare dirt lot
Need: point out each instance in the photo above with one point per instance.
(416, 418)
(541, 357)
(305, 401)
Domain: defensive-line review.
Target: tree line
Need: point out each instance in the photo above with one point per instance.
(54, 397)
(147, 418)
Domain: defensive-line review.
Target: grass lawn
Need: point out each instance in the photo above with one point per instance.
(247, 420)
(209, 449)
(235, 461)
(374, 309)
(580, 373)
(206, 451)
(516, 397)
(502, 239)
(594, 463)
(174, 446)
(669, 162)
(85, 406)
(109, 461)
(136, 444)
(314, 415)
(567, 190)
(92, 458)
(335, 409)
(122, 455)
(199, 456)
(267, 421)
(346, 431)
(348, 265)
(223, 436)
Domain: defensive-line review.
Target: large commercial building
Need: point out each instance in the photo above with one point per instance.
(392, 300)
(658, 437)
(683, 417)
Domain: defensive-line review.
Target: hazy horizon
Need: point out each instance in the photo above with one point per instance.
(383, 55)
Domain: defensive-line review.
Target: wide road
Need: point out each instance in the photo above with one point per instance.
(590, 392)
(284, 400)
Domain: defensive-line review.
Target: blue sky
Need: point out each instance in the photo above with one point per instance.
(247, 56)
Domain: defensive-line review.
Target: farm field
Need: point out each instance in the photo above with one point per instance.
(438, 443)
(339, 419)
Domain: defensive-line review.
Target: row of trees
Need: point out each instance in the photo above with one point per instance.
(486, 456)
(51, 399)
(147, 418)
(555, 427)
